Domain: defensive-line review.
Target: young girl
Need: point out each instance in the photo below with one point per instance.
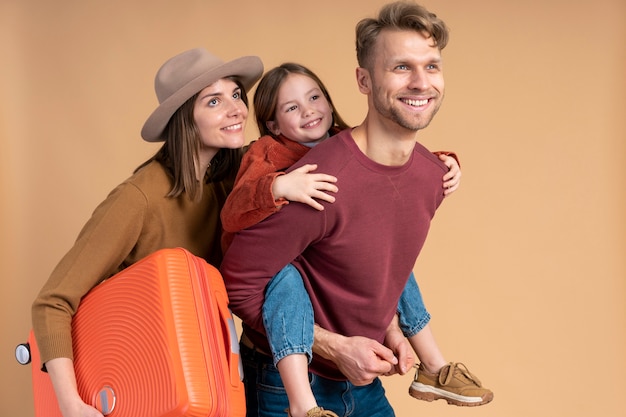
(295, 112)
(172, 200)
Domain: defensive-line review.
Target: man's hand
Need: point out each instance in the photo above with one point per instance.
(359, 358)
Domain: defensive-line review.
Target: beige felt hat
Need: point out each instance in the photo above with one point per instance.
(187, 73)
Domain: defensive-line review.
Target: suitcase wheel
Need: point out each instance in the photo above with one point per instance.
(22, 353)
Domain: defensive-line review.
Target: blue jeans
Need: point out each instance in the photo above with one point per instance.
(288, 313)
(266, 396)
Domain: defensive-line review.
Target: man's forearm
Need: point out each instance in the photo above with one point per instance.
(359, 358)
(325, 343)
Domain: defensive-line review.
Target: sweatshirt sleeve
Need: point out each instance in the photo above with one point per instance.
(99, 252)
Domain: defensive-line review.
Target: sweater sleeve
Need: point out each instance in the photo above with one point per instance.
(251, 199)
(99, 252)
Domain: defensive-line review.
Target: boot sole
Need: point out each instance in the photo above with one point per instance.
(427, 393)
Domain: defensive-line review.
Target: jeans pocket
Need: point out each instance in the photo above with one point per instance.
(269, 380)
(271, 393)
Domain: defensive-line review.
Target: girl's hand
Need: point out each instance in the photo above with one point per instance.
(399, 345)
(452, 179)
(303, 186)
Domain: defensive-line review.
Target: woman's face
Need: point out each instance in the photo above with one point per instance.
(220, 116)
(302, 112)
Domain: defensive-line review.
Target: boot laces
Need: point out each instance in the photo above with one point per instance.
(456, 368)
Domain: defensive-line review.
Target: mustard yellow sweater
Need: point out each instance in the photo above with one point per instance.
(134, 220)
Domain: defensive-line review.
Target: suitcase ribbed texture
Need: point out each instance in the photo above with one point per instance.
(156, 340)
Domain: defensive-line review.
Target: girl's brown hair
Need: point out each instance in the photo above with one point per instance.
(266, 95)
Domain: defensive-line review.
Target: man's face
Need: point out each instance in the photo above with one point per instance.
(406, 79)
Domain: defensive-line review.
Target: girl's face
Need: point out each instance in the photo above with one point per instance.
(220, 116)
(302, 112)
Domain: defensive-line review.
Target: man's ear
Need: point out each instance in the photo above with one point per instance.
(363, 80)
(273, 127)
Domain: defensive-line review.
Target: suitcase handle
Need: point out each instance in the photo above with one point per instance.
(229, 333)
(236, 371)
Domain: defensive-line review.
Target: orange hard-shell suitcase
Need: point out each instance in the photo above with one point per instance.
(155, 340)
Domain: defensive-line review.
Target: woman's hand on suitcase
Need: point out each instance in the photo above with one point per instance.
(84, 410)
(61, 371)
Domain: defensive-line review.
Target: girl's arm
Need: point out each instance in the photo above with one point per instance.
(251, 199)
(304, 186)
(261, 188)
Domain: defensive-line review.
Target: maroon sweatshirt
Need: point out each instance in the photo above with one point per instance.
(354, 256)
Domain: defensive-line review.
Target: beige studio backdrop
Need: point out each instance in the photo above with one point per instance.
(524, 267)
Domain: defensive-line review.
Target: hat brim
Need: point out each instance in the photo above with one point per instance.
(247, 70)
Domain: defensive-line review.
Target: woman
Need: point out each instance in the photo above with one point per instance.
(172, 200)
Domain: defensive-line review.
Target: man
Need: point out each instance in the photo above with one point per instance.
(356, 254)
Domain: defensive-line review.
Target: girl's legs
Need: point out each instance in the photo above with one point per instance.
(461, 387)
(426, 349)
(288, 320)
(293, 371)
(289, 328)
(414, 322)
